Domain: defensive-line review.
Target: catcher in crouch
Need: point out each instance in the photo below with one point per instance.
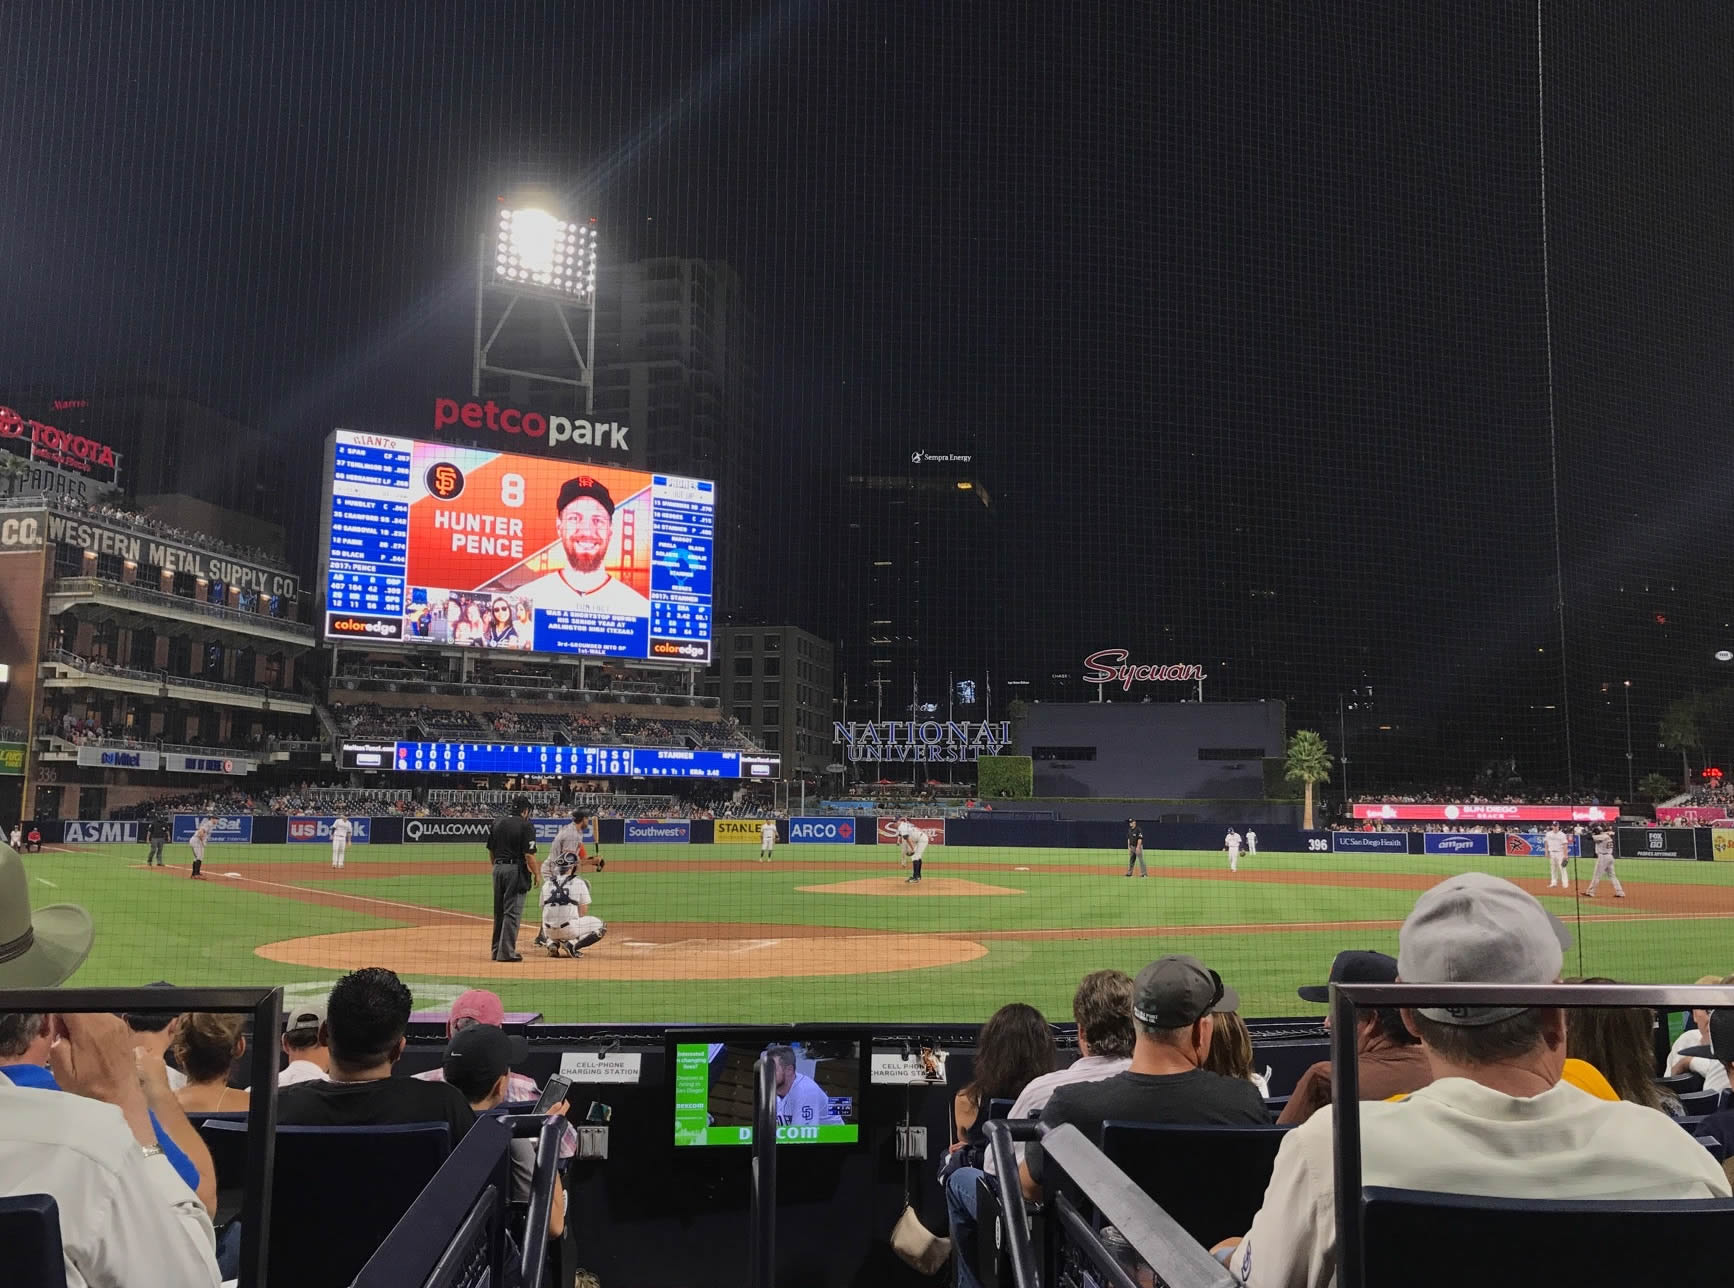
(566, 921)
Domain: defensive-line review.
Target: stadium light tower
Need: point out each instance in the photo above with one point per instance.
(534, 266)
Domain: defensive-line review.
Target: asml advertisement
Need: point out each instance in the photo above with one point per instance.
(436, 544)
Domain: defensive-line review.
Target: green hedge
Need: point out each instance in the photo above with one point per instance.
(1015, 776)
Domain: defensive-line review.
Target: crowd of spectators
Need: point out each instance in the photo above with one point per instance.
(371, 720)
(200, 540)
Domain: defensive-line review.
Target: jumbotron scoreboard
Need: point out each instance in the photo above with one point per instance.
(558, 760)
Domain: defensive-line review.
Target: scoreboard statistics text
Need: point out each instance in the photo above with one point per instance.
(440, 545)
(557, 760)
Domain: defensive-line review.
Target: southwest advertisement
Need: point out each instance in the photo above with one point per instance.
(441, 545)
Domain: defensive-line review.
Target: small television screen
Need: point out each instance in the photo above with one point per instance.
(818, 1087)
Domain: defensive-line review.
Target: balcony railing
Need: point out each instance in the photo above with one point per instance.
(179, 605)
(163, 679)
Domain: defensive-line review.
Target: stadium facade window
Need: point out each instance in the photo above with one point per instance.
(773, 643)
(1231, 753)
(774, 716)
(774, 691)
(744, 666)
(773, 666)
(743, 643)
(109, 567)
(68, 560)
(772, 740)
(743, 691)
(1062, 753)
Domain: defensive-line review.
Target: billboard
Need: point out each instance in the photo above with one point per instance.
(1455, 843)
(1487, 812)
(434, 544)
(1523, 844)
(307, 830)
(1657, 843)
(91, 832)
(237, 828)
(934, 827)
(822, 831)
(1722, 844)
(738, 831)
(1363, 842)
(1687, 815)
(678, 830)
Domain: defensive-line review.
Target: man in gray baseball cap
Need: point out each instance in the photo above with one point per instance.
(1174, 1000)
(1496, 1120)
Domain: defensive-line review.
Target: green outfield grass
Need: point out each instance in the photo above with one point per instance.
(1276, 924)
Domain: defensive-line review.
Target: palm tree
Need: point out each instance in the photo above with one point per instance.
(1309, 762)
(1656, 787)
(1680, 730)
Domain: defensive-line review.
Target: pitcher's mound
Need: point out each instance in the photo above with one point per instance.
(927, 887)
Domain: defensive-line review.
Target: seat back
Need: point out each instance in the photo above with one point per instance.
(338, 1191)
(1425, 1240)
(999, 1108)
(1700, 1102)
(30, 1234)
(1209, 1179)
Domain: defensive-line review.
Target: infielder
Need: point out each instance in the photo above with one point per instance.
(1553, 841)
(201, 834)
(1135, 848)
(566, 921)
(340, 830)
(1251, 843)
(1231, 843)
(914, 842)
(1604, 842)
(767, 841)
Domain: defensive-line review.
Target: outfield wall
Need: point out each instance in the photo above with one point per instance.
(978, 831)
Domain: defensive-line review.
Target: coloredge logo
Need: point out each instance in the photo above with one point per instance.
(610, 435)
(670, 648)
(379, 627)
(821, 830)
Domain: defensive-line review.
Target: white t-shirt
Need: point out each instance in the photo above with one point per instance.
(1713, 1072)
(552, 591)
(1029, 1104)
(124, 1219)
(340, 830)
(300, 1071)
(768, 834)
(807, 1105)
(1458, 1137)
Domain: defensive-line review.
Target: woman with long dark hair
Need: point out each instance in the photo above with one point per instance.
(1619, 1042)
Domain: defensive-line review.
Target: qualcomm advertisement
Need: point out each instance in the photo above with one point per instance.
(1456, 843)
(237, 829)
(1361, 842)
(310, 830)
(822, 831)
(678, 830)
(1521, 844)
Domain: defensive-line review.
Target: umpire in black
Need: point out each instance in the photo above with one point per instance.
(510, 845)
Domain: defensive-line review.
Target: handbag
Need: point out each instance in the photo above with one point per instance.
(918, 1247)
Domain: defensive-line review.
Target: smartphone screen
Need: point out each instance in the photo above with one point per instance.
(553, 1093)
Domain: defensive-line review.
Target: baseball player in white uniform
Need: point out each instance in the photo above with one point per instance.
(801, 1102)
(340, 830)
(1231, 843)
(1553, 841)
(567, 925)
(201, 835)
(767, 841)
(913, 841)
(1604, 843)
(1251, 842)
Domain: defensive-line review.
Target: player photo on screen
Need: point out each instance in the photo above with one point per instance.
(817, 1088)
(448, 546)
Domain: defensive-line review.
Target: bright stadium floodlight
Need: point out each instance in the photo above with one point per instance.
(533, 248)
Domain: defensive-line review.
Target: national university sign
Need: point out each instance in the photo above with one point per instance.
(892, 741)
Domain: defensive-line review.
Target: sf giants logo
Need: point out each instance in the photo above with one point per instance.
(445, 480)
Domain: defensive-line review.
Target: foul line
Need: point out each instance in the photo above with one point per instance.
(357, 898)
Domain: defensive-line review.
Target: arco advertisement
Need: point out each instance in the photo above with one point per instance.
(822, 831)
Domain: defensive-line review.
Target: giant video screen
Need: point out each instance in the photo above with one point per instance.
(444, 546)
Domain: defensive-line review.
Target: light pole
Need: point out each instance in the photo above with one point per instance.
(1631, 792)
(1343, 748)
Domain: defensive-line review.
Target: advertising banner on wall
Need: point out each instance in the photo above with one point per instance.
(119, 758)
(306, 830)
(934, 827)
(1658, 843)
(1455, 843)
(1524, 844)
(641, 830)
(234, 828)
(822, 831)
(738, 830)
(1487, 812)
(1370, 842)
(1722, 843)
(1686, 815)
(89, 832)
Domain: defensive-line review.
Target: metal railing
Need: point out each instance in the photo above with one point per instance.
(1346, 999)
(762, 1248)
(178, 603)
(265, 1006)
(164, 679)
(1001, 1132)
(144, 523)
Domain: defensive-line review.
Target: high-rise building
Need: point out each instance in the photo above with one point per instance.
(777, 684)
(675, 361)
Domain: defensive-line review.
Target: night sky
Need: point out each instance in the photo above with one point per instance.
(1241, 309)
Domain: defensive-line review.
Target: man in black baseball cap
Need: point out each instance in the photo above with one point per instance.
(1174, 1000)
(584, 530)
(1720, 1048)
(1391, 1061)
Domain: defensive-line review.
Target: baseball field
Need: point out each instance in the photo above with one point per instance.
(826, 933)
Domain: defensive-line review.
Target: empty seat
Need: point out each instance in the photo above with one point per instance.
(999, 1108)
(1425, 1240)
(30, 1237)
(336, 1192)
(1700, 1102)
(1209, 1179)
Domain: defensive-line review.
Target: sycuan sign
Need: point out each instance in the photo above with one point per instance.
(915, 740)
(1109, 666)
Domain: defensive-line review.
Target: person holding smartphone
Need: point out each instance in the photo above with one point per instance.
(478, 1062)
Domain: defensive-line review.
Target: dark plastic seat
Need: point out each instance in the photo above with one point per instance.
(1714, 1146)
(1209, 1179)
(1680, 1083)
(336, 1192)
(999, 1108)
(1276, 1104)
(1700, 1102)
(30, 1235)
(1424, 1240)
